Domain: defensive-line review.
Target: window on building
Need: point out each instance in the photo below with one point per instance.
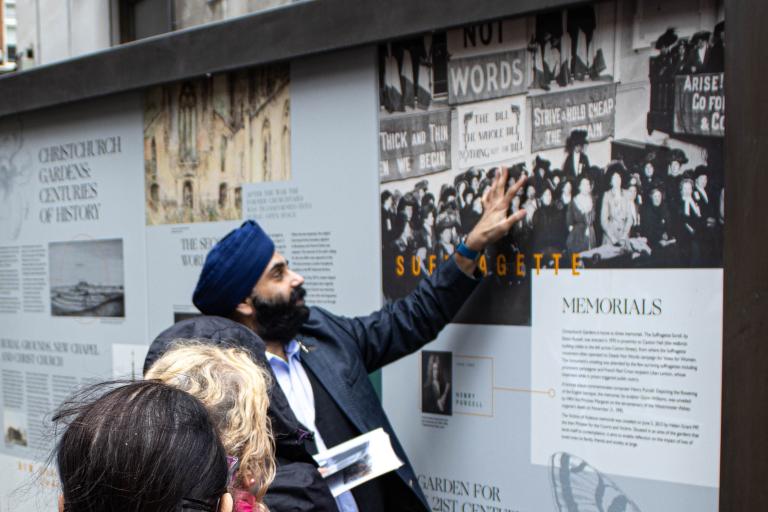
(154, 196)
(153, 162)
(223, 154)
(285, 142)
(223, 194)
(187, 124)
(145, 18)
(188, 200)
(266, 156)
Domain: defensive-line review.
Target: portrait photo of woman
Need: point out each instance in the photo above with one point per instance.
(436, 370)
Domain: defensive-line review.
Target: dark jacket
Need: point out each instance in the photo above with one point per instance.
(568, 167)
(341, 352)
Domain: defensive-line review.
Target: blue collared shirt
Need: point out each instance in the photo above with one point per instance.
(293, 380)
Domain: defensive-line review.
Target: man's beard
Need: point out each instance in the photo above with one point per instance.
(280, 320)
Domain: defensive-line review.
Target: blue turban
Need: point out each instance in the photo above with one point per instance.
(232, 268)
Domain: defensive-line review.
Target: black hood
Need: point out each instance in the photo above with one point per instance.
(214, 329)
(290, 435)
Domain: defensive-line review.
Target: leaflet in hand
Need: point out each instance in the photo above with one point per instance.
(358, 460)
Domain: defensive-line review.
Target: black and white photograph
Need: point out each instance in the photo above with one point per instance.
(413, 74)
(87, 278)
(415, 124)
(357, 454)
(358, 470)
(178, 316)
(572, 47)
(15, 427)
(614, 179)
(357, 460)
(437, 381)
(421, 228)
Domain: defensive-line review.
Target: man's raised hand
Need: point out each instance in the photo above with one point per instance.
(495, 221)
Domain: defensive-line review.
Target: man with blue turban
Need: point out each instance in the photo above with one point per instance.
(251, 298)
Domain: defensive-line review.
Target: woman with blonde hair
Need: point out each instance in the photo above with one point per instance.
(234, 390)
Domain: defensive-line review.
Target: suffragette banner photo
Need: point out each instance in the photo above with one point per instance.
(414, 145)
(486, 77)
(491, 131)
(554, 116)
(700, 104)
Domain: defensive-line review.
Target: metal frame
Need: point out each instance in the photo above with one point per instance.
(324, 25)
(744, 442)
(297, 30)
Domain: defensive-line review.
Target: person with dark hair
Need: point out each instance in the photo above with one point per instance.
(705, 197)
(547, 231)
(449, 206)
(555, 179)
(679, 57)
(425, 236)
(634, 201)
(648, 176)
(473, 178)
(435, 392)
(428, 200)
(697, 60)
(677, 159)
(389, 233)
(388, 217)
(472, 209)
(577, 161)
(690, 224)
(447, 196)
(546, 49)
(251, 298)
(666, 40)
(140, 446)
(580, 218)
(615, 215)
(407, 211)
(445, 236)
(716, 62)
(564, 195)
(419, 191)
(541, 174)
(703, 194)
(586, 61)
(661, 67)
(657, 224)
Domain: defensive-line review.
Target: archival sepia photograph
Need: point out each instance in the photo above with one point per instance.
(205, 138)
(87, 278)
